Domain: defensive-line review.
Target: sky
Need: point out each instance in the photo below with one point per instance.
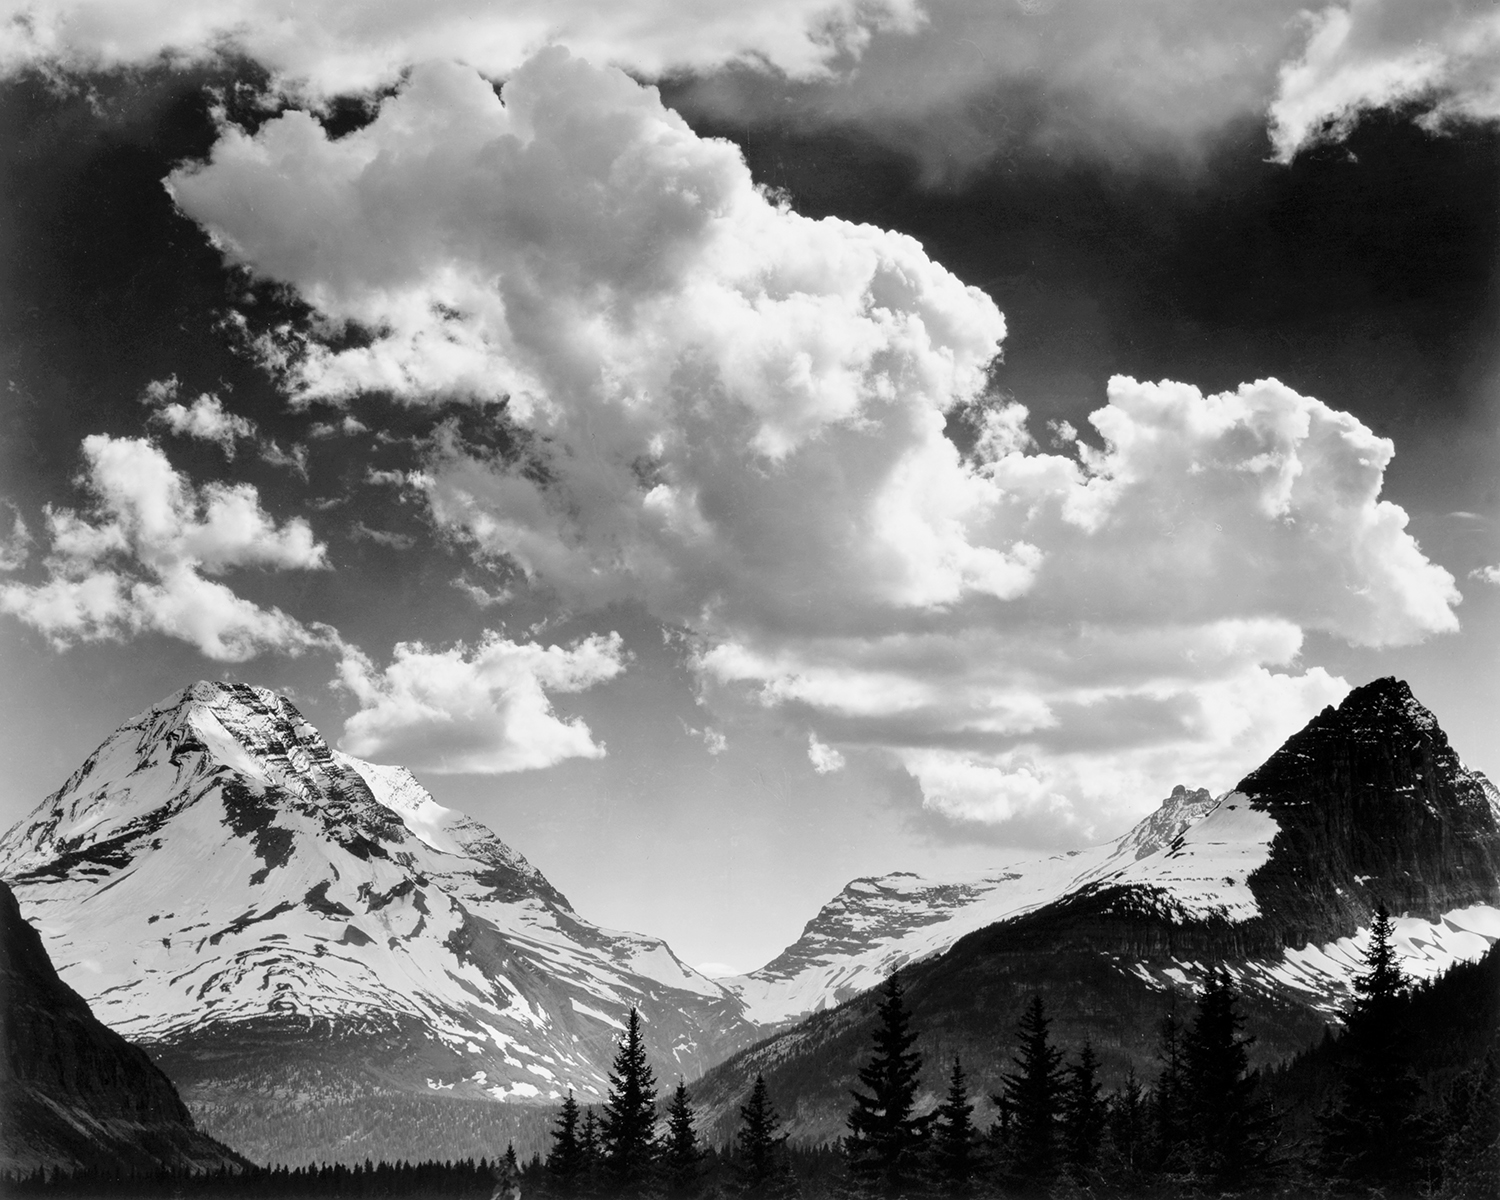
(734, 449)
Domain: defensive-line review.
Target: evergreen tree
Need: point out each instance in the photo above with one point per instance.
(1228, 1143)
(1128, 1122)
(1373, 1135)
(886, 1139)
(567, 1167)
(1471, 1134)
(1032, 1094)
(1168, 1150)
(628, 1127)
(681, 1156)
(1082, 1113)
(954, 1156)
(591, 1154)
(761, 1169)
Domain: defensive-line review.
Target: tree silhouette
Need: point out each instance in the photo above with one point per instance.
(954, 1157)
(1082, 1113)
(681, 1156)
(1228, 1143)
(591, 1151)
(628, 1127)
(761, 1169)
(1168, 1102)
(567, 1165)
(886, 1139)
(1373, 1135)
(1032, 1095)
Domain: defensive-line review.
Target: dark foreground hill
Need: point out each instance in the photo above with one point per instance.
(73, 1093)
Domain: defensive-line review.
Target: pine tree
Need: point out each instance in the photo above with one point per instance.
(954, 1157)
(1082, 1113)
(566, 1164)
(628, 1128)
(1168, 1104)
(591, 1156)
(1471, 1134)
(1128, 1122)
(681, 1156)
(1032, 1093)
(886, 1139)
(761, 1169)
(1373, 1135)
(1228, 1144)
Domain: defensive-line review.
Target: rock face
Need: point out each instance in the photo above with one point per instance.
(1276, 880)
(263, 912)
(74, 1093)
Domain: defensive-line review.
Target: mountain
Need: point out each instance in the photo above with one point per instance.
(880, 924)
(1276, 880)
(273, 918)
(73, 1093)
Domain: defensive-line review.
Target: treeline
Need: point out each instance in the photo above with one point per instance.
(1406, 1103)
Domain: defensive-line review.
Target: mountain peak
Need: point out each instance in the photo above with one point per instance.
(1387, 700)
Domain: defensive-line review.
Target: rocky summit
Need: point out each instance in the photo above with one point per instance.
(263, 911)
(1276, 880)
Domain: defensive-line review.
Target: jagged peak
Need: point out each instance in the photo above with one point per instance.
(1387, 699)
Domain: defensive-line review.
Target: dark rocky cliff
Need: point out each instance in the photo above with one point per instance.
(73, 1093)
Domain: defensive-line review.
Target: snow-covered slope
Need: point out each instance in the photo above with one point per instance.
(1186, 848)
(215, 866)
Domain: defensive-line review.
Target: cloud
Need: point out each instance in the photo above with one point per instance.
(483, 710)
(1368, 54)
(824, 759)
(341, 46)
(15, 547)
(1486, 575)
(735, 415)
(137, 558)
(205, 419)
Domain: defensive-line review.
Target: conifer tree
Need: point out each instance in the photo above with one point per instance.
(1032, 1093)
(1471, 1134)
(1168, 1104)
(1373, 1136)
(954, 1157)
(886, 1138)
(761, 1169)
(1228, 1143)
(681, 1156)
(566, 1164)
(628, 1128)
(1128, 1122)
(591, 1152)
(1082, 1113)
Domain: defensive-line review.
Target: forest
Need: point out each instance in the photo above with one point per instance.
(1403, 1102)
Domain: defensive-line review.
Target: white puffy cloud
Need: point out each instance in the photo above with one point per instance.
(1486, 575)
(825, 759)
(205, 419)
(483, 710)
(340, 46)
(736, 417)
(1370, 54)
(138, 558)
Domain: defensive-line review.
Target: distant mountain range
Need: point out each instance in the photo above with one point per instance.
(273, 918)
(1275, 880)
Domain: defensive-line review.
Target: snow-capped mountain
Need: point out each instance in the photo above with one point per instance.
(1192, 860)
(1275, 881)
(880, 924)
(221, 885)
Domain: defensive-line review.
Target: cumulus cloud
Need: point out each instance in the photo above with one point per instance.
(482, 710)
(735, 415)
(340, 46)
(1370, 54)
(1486, 575)
(205, 419)
(139, 558)
(825, 759)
